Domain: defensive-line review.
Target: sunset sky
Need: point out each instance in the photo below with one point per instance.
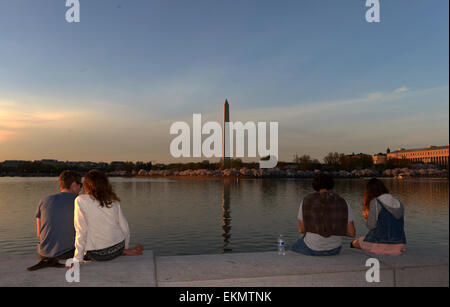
(108, 88)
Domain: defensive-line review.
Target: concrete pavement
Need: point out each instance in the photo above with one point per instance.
(417, 267)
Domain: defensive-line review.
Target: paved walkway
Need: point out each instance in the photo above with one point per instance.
(424, 267)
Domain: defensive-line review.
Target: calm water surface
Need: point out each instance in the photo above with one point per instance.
(210, 216)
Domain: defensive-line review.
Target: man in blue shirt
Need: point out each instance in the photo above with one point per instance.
(54, 219)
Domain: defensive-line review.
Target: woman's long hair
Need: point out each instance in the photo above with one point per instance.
(374, 188)
(97, 185)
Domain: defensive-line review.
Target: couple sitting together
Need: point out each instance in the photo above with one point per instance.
(325, 217)
(90, 226)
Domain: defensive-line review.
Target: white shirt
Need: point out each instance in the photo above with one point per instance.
(318, 243)
(98, 227)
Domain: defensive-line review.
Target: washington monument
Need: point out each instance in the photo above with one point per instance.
(226, 119)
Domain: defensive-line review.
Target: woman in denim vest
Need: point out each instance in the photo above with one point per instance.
(384, 216)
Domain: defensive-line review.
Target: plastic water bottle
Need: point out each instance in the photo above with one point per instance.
(281, 249)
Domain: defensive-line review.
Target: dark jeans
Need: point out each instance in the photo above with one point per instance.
(302, 248)
(64, 256)
(106, 254)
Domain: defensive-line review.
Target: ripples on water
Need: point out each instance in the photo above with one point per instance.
(209, 216)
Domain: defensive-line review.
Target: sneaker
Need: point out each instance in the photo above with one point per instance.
(46, 263)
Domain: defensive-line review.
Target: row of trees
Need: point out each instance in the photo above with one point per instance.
(205, 164)
(39, 168)
(338, 161)
(333, 161)
(348, 162)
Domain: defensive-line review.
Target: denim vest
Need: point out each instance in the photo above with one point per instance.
(389, 230)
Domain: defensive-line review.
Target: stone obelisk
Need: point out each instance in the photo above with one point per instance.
(226, 163)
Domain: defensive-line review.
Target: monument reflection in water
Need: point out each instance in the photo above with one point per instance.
(226, 216)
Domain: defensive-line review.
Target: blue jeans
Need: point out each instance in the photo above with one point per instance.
(302, 248)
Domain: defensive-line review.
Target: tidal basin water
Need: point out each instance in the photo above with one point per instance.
(182, 216)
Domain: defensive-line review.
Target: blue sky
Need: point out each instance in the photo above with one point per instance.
(109, 87)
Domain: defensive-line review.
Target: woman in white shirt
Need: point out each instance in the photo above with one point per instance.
(102, 231)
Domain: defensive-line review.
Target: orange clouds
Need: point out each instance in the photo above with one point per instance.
(15, 119)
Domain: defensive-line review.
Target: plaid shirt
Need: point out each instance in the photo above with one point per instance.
(325, 214)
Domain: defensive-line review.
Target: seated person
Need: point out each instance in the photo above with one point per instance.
(324, 218)
(384, 216)
(102, 231)
(54, 219)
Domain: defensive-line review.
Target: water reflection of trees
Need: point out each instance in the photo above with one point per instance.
(432, 193)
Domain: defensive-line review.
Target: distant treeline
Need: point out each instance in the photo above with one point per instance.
(38, 168)
(332, 162)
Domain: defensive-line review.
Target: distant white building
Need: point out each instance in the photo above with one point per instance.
(431, 154)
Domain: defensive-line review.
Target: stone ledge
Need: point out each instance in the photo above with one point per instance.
(339, 279)
(120, 272)
(418, 267)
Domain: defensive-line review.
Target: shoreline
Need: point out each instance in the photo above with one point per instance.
(429, 172)
(234, 177)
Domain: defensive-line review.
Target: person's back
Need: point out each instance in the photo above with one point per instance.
(102, 231)
(54, 221)
(386, 223)
(99, 227)
(324, 218)
(384, 216)
(56, 233)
